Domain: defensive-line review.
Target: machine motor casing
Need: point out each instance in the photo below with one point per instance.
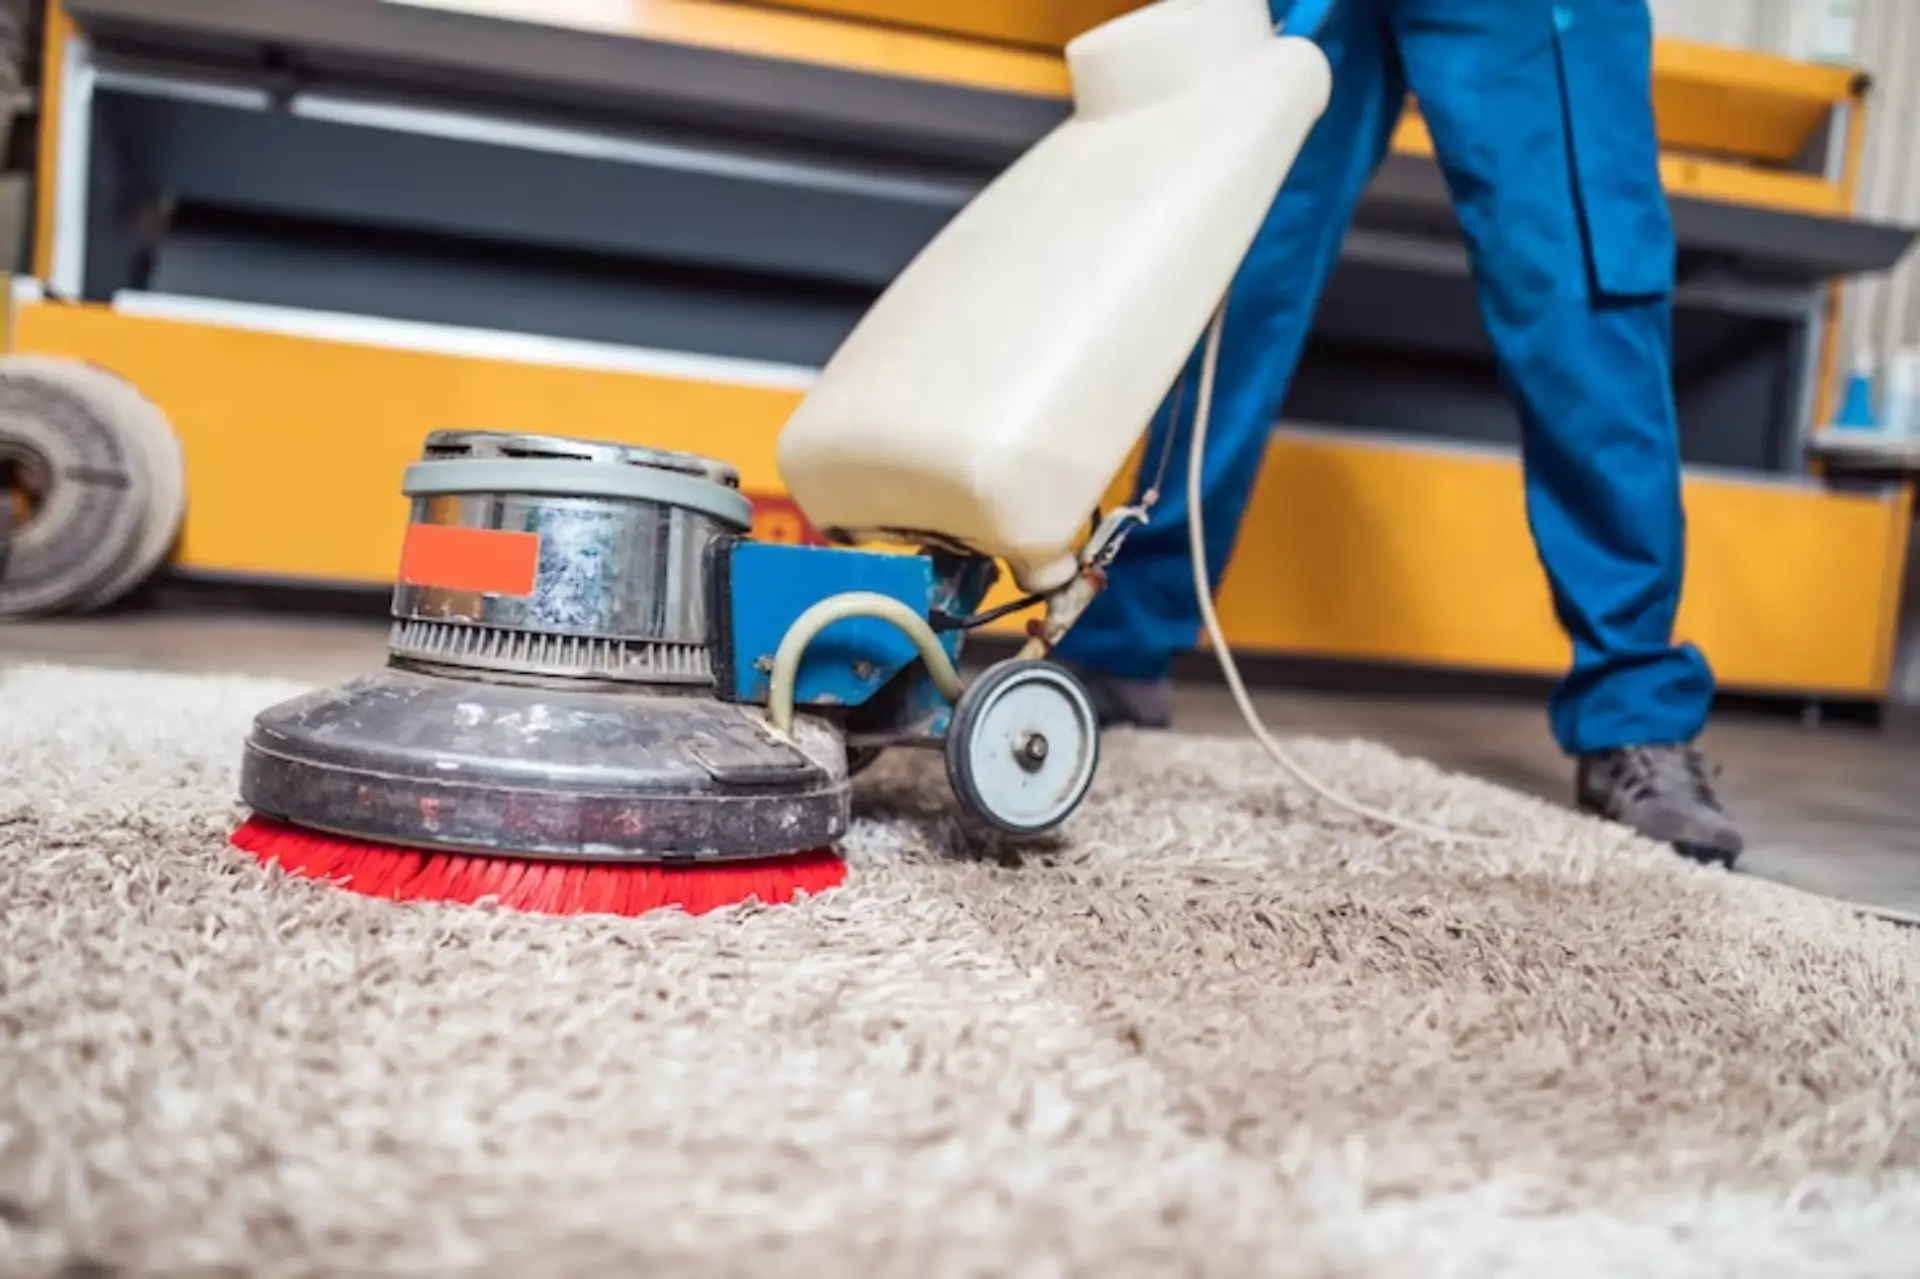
(579, 665)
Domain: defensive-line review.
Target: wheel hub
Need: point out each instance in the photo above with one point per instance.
(1033, 751)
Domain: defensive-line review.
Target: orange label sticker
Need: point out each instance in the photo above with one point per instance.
(489, 561)
(778, 519)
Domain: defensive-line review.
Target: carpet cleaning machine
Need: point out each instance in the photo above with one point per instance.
(590, 658)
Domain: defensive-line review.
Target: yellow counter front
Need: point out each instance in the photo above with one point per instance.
(1365, 549)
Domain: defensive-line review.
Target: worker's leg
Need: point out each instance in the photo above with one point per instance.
(1125, 644)
(1542, 119)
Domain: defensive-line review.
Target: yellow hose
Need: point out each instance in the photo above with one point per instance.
(835, 608)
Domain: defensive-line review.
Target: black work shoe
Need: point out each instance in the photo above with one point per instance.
(1126, 703)
(1664, 792)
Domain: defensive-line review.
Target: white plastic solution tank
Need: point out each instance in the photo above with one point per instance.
(992, 394)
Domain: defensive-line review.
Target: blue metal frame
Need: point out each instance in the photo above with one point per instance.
(769, 585)
(922, 712)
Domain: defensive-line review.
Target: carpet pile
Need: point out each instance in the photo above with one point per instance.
(1219, 1029)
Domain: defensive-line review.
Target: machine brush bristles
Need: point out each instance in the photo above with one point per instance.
(539, 887)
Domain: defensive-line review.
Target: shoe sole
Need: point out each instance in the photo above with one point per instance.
(1703, 854)
(1707, 856)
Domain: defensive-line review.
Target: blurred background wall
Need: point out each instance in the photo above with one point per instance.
(1882, 315)
(1884, 37)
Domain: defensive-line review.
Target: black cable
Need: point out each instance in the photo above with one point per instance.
(943, 621)
(1172, 408)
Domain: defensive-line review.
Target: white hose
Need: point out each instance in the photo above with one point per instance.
(1203, 591)
(793, 646)
(835, 608)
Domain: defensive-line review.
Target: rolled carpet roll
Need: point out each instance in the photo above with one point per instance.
(94, 482)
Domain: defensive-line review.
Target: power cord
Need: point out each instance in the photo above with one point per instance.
(1203, 592)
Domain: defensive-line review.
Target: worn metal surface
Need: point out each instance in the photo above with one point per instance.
(575, 721)
(911, 710)
(572, 773)
(768, 587)
(607, 569)
(620, 592)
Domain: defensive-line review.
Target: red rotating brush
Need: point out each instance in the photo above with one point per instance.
(561, 676)
(541, 887)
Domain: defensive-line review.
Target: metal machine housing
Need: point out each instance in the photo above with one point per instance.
(581, 661)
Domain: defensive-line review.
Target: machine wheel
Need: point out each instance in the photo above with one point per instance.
(1023, 747)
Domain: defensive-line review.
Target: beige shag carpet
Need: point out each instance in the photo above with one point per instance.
(1221, 1030)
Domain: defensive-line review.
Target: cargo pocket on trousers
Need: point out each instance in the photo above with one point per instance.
(1605, 54)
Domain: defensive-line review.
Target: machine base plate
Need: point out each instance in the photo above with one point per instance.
(564, 773)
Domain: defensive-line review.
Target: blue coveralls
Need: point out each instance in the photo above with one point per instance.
(1542, 122)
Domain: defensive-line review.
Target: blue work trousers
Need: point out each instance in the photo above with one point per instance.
(1541, 117)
